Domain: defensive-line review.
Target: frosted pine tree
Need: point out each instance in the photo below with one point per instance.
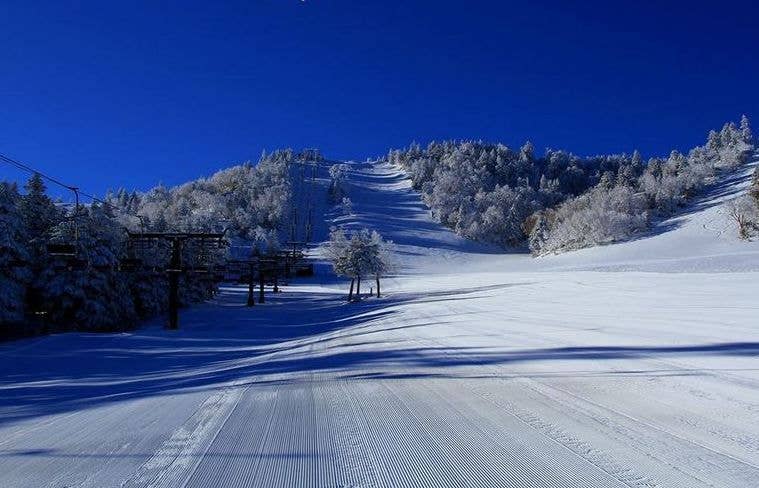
(39, 215)
(14, 256)
(745, 128)
(538, 233)
(381, 258)
(96, 297)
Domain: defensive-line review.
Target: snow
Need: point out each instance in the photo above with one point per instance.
(633, 364)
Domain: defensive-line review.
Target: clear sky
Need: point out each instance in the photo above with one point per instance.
(110, 94)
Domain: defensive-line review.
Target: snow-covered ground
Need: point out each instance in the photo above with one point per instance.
(634, 364)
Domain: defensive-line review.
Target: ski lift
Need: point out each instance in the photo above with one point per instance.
(70, 264)
(61, 249)
(17, 263)
(69, 248)
(141, 252)
(304, 270)
(131, 262)
(204, 261)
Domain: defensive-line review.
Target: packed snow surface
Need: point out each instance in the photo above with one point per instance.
(634, 364)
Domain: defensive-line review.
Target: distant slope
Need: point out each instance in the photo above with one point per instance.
(383, 200)
(700, 239)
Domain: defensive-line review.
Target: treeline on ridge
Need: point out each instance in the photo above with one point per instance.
(559, 202)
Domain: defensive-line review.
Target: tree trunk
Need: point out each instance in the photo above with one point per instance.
(261, 286)
(350, 293)
(251, 287)
(358, 288)
(173, 299)
(378, 286)
(251, 291)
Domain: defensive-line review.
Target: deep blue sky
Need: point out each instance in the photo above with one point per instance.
(108, 94)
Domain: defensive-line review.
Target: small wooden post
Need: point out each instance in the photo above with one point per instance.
(261, 285)
(251, 287)
(175, 267)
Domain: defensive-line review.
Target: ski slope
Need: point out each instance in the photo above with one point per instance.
(629, 365)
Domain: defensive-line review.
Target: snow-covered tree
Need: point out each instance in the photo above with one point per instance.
(745, 127)
(38, 213)
(92, 290)
(95, 296)
(486, 191)
(346, 206)
(745, 213)
(337, 251)
(337, 175)
(753, 189)
(599, 216)
(241, 199)
(364, 253)
(14, 256)
(382, 261)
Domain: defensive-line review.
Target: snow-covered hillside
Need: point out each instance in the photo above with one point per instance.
(384, 200)
(634, 364)
(703, 238)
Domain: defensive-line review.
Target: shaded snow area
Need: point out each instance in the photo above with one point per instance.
(628, 365)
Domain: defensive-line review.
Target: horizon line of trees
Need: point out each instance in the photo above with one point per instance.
(559, 201)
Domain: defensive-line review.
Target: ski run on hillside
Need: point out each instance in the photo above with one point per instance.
(627, 365)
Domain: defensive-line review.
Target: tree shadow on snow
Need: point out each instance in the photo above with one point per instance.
(277, 343)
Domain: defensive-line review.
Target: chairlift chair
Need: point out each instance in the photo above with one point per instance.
(131, 262)
(204, 259)
(71, 264)
(61, 249)
(17, 263)
(68, 250)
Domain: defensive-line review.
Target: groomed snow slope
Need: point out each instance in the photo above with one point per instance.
(477, 369)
